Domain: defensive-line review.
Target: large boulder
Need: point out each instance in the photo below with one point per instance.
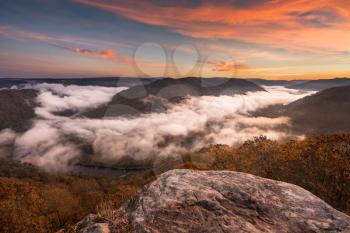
(225, 201)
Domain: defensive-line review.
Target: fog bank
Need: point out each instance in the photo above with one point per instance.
(58, 142)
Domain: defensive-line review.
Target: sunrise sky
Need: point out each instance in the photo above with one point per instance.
(272, 39)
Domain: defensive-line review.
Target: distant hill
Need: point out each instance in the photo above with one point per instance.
(106, 82)
(17, 109)
(316, 85)
(321, 84)
(327, 111)
(154, 96)
(313, 85)
(266, 82)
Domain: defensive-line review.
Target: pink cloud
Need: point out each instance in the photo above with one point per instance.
(60, 42)
(19, 34)
(298, 24)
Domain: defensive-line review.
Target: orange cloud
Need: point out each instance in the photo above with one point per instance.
(107, 54)
(227, 66)
(297, 24)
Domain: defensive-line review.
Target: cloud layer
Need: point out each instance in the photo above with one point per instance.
(57, 142)
(55, 98)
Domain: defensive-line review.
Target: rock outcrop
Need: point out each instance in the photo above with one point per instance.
(223, 201)
(92, 224)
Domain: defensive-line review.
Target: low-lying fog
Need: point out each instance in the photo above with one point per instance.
(55, 141)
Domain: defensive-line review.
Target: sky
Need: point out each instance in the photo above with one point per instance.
(271, 39)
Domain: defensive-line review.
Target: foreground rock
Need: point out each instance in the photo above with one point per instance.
(222, 201)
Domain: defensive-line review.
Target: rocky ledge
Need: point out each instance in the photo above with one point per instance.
(219, 201)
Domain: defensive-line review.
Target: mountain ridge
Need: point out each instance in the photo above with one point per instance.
(327, 111)
(154, 97)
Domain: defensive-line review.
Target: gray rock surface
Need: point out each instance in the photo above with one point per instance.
(224, 201)
(91, 224)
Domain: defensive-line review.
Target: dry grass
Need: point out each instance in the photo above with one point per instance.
(117, 218)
